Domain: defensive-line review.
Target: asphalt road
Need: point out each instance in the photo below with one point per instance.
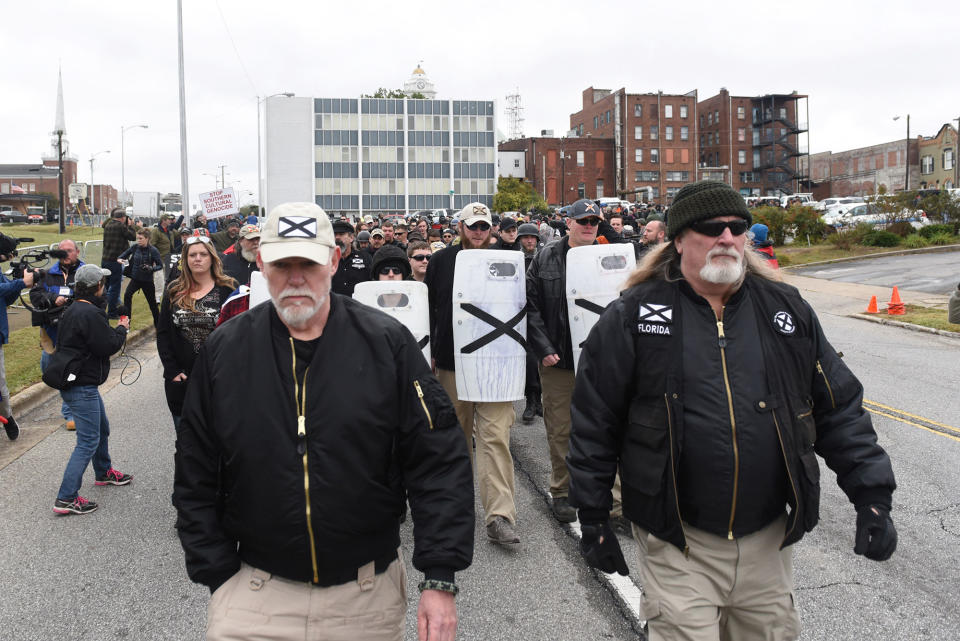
(119, 572)
(936, 273)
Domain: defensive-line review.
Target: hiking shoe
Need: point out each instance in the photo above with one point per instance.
(563, 511)
(501, 531)
(113, 477)
(529, 411)
(71, 426)
(78, 505)
(13, 430)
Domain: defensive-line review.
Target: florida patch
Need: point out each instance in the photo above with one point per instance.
(653, 318)
(783, 321)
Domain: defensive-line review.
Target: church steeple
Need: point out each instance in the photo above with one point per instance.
(59, 126)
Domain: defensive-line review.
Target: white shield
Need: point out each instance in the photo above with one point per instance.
(258, 289)
(594, 276)
(405, 300)
(489, 299)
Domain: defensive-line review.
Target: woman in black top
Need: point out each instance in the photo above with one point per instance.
(143, 260)
(191, 305)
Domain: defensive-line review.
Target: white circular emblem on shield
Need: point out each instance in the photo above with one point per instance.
(783, 321)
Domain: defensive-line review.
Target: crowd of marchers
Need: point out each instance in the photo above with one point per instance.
(692, 420)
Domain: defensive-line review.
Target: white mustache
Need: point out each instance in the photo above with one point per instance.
(298, 291)
(723, 251)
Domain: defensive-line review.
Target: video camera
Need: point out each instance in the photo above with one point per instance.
(33, 260)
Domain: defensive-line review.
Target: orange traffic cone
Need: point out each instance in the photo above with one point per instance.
(895, 306)
(872, 307)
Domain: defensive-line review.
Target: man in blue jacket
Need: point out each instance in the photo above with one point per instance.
(9, 292)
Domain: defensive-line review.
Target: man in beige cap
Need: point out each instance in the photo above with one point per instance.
(294, 502)
(489, 423)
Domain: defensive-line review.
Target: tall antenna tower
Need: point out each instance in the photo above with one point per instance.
(515, 114)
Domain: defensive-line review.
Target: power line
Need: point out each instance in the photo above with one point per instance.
(235, 50)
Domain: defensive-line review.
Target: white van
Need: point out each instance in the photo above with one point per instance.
(805, 199)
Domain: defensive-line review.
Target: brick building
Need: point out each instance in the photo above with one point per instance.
(861, 171)
(938, 160)
(654, 139)
(563, 170)
(37, 178)
(754, 143)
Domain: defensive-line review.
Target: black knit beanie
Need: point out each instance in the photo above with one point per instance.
(701, 201)
(390, 255)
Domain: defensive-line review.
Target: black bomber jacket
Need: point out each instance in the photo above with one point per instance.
(628, 410)
(312, 493)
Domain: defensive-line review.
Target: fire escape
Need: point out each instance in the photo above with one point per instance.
(777, 139)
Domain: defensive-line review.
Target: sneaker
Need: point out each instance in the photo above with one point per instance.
(529, 411)
(563, 511)
(501, 531)
(13, 430)
(113, 477)
(71, 426)
(78, 505)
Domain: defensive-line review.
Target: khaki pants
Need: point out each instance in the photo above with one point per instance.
(490, 423)
(739, 590)
(557, 393)
(253, 604)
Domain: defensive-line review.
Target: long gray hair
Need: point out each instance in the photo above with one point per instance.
(663, 263)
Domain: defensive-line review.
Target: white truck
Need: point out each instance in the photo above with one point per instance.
(146, 204)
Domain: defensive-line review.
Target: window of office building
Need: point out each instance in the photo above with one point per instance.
(683, 111)
(654, 156)
(742, 157)
(741, 113)
(638, 133)
(638, 155)
(926, 165)
(599, 189)
(668, 111)
(579, 159)
(654, 132)
(668, 132)
(684, 133)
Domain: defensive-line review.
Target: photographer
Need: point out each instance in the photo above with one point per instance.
(118, 231)
(9, 292)
(52, 294)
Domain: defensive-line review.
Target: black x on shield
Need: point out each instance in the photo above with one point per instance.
(500, 328)
(588, 305)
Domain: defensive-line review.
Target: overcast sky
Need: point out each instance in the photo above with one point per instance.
(860, 62)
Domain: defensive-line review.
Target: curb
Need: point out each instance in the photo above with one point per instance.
(39, 393)
(902, 252)
(911, 326)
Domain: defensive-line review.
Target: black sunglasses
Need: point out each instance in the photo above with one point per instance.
(479, 226)
(591, 221)
(715, 228)
(390, 269)
(420, 257)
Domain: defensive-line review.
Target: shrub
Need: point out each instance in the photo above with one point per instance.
(915, 241)
(777, 221)
(880, 238)
(901, 228)
(843, 239)
(930, 231)
(859, 232)
(943, 238)
(807, 224)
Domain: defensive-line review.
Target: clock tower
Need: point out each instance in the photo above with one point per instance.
(419, 83)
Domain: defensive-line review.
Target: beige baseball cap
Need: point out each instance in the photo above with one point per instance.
(301, 230)
(475, 212)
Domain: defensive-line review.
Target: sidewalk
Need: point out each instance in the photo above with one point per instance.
(853, 298)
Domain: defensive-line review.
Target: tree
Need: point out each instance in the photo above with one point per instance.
(515, 195)
(394, 93)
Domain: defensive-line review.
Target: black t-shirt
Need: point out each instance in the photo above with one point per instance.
(352, 269)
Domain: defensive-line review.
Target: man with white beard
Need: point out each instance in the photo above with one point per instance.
(287, 496)
(240, 259)
(710, 386)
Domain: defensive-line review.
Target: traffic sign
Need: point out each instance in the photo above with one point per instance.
(77, 192)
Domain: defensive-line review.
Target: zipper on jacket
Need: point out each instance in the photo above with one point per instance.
(416, 384)
(722, 342)
(826, 381)
(786, 463)
(673, 474)
(300, 400)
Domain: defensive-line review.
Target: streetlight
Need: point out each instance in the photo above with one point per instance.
(260, 198)
(216, 178)
(906, 184)
(93, 200)
(123, 177)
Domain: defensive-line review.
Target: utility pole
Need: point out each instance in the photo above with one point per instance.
(223, 180)
(63, 212)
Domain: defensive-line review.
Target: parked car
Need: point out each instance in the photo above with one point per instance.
(35, 219)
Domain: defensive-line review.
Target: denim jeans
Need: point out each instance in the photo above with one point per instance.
(93, 433)
(64, 408)
(113, 284)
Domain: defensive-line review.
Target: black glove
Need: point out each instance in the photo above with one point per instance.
(600, 548)
(876, 536)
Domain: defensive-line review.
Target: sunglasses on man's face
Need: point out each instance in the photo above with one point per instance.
(390, 269)
(591, 221)
(420, 257)
(714, 228)
(479, 226)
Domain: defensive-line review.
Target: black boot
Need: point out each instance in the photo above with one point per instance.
(529, 411)
(539, 408)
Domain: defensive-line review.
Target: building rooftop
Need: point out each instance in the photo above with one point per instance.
(27, 171)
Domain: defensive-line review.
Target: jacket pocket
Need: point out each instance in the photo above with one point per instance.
(646, 447)
(810, 484)
(432, 401)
